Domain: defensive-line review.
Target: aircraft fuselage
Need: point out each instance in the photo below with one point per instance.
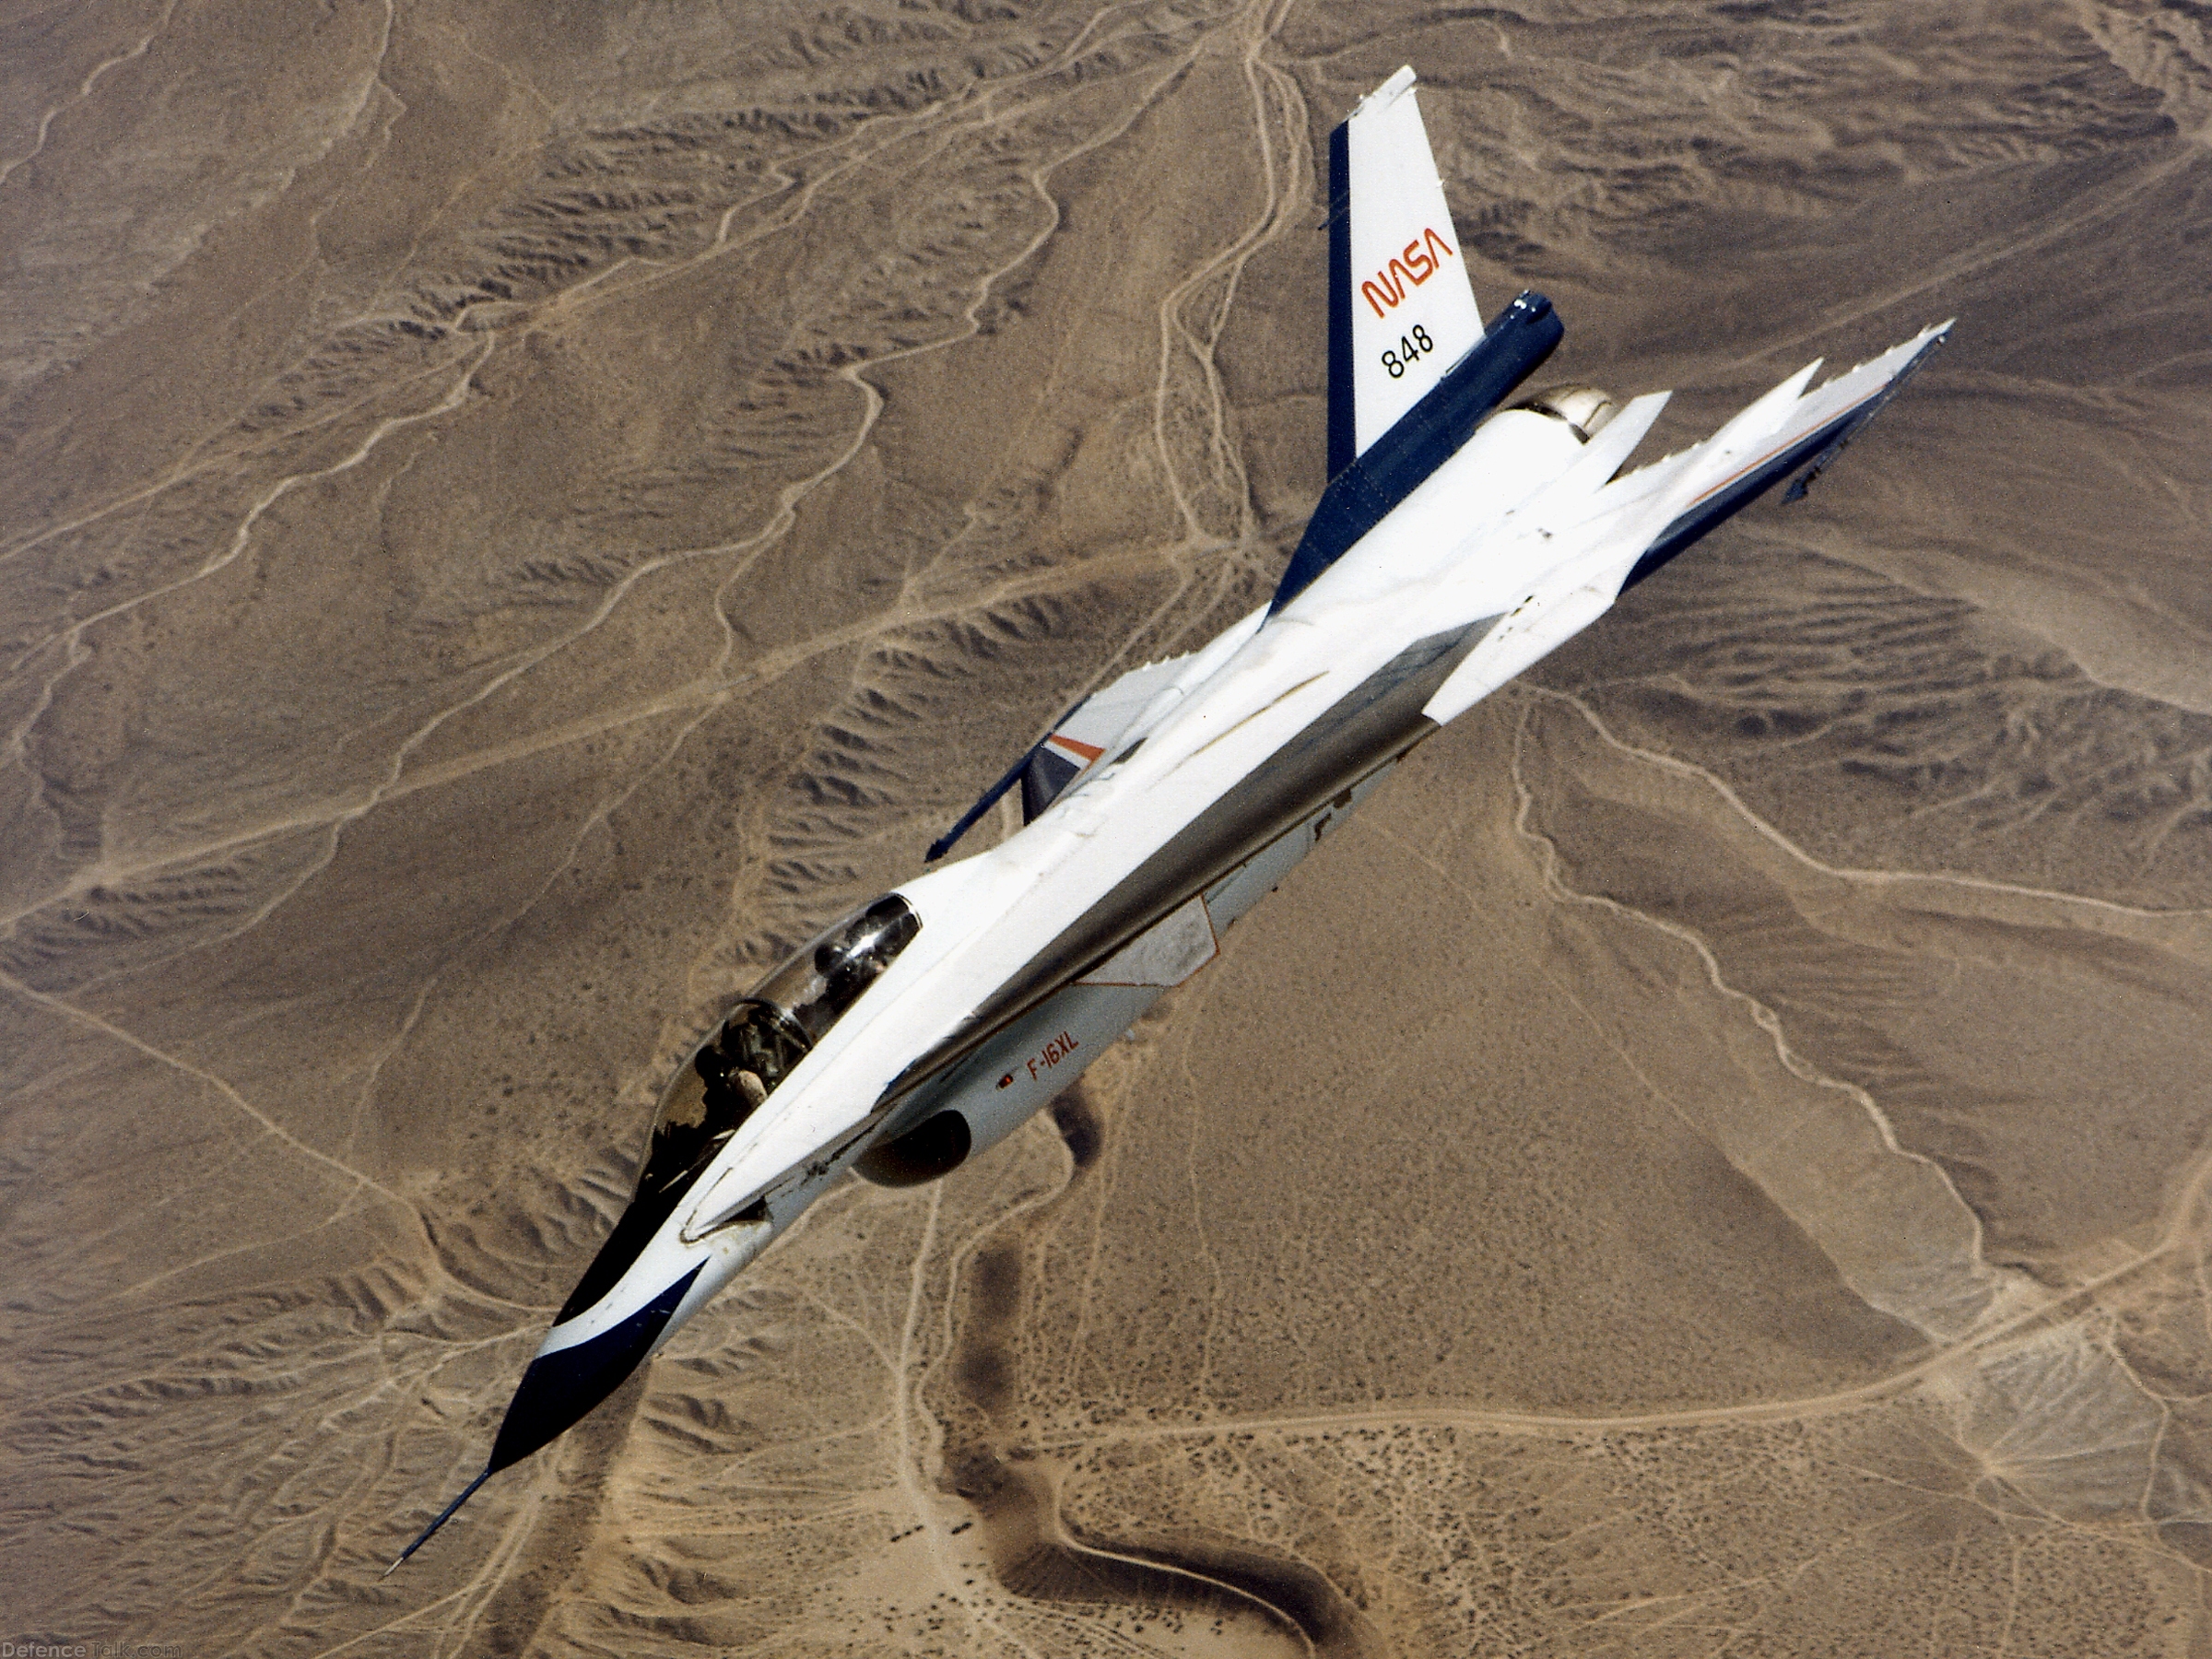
(1456, 544)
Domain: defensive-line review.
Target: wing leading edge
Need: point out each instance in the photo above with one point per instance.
(1113, 718)
(1077, 739)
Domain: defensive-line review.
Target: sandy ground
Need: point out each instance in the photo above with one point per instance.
(512, 514)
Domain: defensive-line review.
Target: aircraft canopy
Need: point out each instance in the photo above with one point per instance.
(769, 1033)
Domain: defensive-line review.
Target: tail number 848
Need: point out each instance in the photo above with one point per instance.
(1411, 349)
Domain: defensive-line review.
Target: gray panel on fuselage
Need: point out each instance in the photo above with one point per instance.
(1367, 728)
(1032, 1058)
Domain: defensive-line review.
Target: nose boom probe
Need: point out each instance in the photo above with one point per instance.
(444, 1515)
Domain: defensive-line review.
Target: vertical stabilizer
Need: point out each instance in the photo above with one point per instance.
(1401, 307)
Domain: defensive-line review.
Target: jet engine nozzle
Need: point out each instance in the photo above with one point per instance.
(1586, 409)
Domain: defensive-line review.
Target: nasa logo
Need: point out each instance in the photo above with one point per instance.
(1413, 265)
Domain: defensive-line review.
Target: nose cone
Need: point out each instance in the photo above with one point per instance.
(564, 1383)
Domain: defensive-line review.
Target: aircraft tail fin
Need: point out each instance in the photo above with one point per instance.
(1401, 306)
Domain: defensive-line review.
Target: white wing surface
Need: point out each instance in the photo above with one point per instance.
(1597, 543)
(1086, 733)
(1093, 725)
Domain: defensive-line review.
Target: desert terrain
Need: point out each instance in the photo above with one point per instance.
(512, 515)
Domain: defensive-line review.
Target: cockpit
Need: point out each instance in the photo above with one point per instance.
(766, 1036)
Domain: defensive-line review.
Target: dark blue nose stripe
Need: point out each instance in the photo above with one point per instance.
(558, 1388)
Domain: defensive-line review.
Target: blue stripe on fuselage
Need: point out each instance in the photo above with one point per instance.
(1426, 436)
(1343, 427)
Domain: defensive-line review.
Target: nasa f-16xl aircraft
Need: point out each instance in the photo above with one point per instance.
(1460, 538)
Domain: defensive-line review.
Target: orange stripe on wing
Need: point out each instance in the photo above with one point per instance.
(1089, 751)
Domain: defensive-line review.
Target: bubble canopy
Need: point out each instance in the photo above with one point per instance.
(760, 1043)
(768, 1034)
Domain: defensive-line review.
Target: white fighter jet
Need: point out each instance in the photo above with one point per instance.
(1457, 542)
